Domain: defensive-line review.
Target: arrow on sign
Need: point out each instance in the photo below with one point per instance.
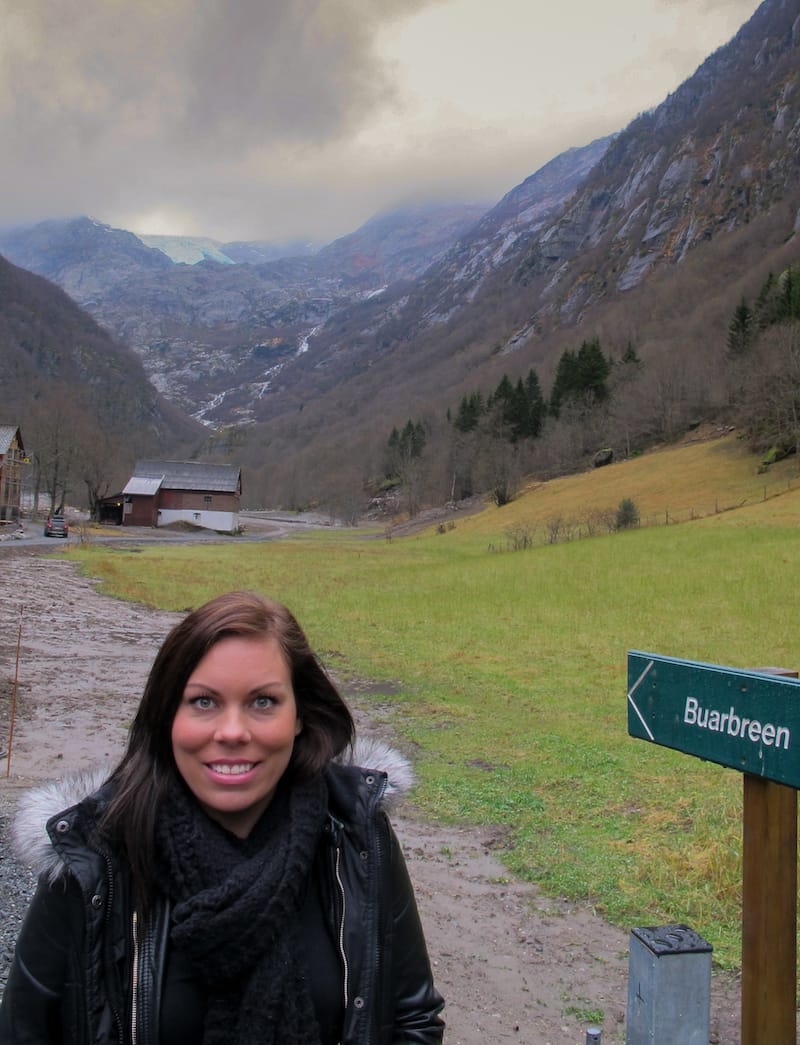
(632, 702)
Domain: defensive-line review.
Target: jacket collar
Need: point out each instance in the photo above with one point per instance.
(37, 807)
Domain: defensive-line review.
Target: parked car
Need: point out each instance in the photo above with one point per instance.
(56, 526)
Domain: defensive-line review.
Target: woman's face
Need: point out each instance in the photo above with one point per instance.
(234, 730)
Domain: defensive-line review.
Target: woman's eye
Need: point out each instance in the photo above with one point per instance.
(262, 703)
(201, 703)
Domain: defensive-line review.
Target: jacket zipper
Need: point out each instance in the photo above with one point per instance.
(134, 976)
(342, 897)
(118, 1019)
(374, 835)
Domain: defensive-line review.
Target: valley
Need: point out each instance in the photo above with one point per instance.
(299, 366)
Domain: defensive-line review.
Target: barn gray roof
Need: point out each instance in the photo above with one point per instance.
(7, 433)
(184, 475)
(143, 487)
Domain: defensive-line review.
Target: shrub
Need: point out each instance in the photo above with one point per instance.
(627, 514)
(520, 538)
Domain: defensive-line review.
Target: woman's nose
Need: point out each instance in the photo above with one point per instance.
(232, 728)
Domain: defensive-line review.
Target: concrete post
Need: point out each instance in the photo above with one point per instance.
(669, 987)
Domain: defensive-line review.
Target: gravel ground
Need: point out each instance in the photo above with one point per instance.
(17, 883)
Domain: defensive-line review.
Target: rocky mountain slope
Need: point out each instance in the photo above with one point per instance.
(453, 289)
(715, 156)
(508, 228)
(685, 210)
(213, 335)
(723, 148)
(719, 152)
(53, 352)
(402, 244)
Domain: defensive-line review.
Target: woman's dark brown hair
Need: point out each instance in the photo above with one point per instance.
(148, 767)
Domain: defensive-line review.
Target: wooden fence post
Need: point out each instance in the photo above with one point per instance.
(769, 908)
(769, 913)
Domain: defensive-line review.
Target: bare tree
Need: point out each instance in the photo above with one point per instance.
(53, 422)
(766, 393)
(499, 469)
(100, 461)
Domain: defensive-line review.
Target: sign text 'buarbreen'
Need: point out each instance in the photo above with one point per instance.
(744, 719)
(735, 725)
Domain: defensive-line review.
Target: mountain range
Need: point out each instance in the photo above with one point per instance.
(212, 334)
(646, 239)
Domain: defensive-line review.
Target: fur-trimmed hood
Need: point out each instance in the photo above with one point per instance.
(32, 843)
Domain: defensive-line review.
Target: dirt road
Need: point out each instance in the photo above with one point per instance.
(513, 965)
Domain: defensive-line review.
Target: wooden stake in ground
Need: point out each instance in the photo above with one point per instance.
(13, 714)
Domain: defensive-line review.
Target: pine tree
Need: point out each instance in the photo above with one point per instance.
(516, 413)
(404, 463)
(581, 375)
(742, 330)
(535, 404)
(566, 381)
(470, 411)
(593, 370)
(501, 407)
(503, 393)
(404, 446)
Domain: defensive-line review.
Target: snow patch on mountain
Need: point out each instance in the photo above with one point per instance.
(188, 250)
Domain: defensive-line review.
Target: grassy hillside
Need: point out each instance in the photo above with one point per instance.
(506, 671)
(702, 477)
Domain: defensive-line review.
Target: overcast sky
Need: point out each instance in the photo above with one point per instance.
(273, 119)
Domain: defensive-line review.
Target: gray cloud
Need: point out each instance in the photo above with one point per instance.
(241, 118)
(107, 105)
(300, 71)
(232, 74)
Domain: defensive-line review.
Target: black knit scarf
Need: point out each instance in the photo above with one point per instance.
(236, 913)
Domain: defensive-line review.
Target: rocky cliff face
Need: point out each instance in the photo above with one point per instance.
(594, 224)
(506, 230)
(720, 150)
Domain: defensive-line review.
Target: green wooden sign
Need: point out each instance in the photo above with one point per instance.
(745, 720)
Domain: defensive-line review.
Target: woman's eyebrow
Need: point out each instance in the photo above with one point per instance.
(260, 688)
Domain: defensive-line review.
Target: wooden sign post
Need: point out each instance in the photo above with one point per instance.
(749, 721)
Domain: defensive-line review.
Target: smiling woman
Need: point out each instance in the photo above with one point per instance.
(245, 885)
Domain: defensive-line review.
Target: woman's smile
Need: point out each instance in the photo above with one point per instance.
(235, 769)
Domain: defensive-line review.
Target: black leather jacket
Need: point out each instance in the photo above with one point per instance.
(87, 972)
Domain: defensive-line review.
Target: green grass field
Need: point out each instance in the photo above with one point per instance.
(512, 666)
